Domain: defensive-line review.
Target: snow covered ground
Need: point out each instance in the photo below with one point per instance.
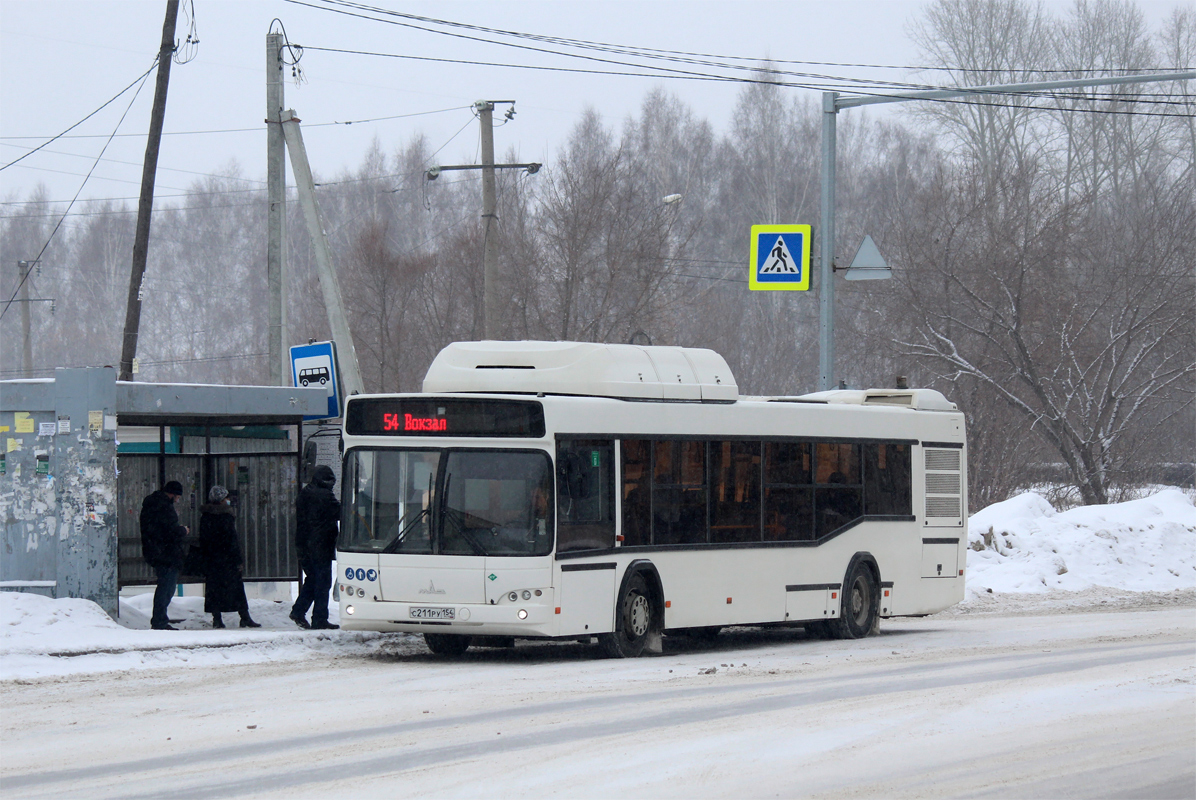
(1069, 671)
(1025, 558)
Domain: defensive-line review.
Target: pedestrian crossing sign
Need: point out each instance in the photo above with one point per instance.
(780, 258)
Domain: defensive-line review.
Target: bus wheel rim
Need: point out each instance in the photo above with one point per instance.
(637, 615)
(859, 601)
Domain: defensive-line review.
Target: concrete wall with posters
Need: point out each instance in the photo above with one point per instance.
(58, 486)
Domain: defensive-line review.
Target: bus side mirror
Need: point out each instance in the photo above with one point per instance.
(311, 458)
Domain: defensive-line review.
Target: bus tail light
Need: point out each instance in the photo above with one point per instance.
(558, 609)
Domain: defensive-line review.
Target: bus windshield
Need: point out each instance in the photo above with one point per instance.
(449, 502)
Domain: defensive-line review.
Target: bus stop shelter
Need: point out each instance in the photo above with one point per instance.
(82, 450)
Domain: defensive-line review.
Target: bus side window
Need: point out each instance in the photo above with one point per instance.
(788, 498)
(679, 492)
(637, 488)
(735, 492)
(838, 496)
(887, 485)
(585, 481)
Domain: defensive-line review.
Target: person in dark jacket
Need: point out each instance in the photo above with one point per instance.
(222, 559)
(318, 513)
(162, 541)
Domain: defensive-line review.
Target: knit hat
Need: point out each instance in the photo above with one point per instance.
(217, 493)
(173, 487)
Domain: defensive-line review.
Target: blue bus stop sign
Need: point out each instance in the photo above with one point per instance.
(315, 365)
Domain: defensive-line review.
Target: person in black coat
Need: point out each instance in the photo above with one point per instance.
(221, 548)
(162, 541)
(318, 513)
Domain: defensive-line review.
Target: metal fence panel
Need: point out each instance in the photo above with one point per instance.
(263, 488)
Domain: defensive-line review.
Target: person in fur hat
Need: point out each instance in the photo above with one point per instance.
(222, 557)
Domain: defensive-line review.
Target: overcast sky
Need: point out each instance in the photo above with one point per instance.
(60, 60)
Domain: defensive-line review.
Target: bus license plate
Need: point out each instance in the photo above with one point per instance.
(433, 613)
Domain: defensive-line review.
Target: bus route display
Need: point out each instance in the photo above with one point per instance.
(419, 416)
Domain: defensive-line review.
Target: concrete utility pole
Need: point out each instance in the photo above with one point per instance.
(485, 111)
(338, 321)
(145, 205)
(490, 299)
(26, 321)
(831, 104)
(276, 218)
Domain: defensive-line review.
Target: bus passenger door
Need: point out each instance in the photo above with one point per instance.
(587, 598)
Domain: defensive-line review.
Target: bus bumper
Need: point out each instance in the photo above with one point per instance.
(469, 619)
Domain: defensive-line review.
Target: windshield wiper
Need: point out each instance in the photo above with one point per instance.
(393, 547)
(451, 515)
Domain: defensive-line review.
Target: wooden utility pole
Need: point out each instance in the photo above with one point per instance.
(276, 191)
(145, 205)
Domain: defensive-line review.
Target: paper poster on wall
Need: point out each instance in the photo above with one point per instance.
(64, 425)
(23, 422)
(46, 428)
(13, 444)
(95, 420)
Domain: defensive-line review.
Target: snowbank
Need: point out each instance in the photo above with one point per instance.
(41, 637)
(1024, 546)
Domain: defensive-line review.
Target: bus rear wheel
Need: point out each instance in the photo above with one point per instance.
(446, 644)
(860, 604)
(633, 622)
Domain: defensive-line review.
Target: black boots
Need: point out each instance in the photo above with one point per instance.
(217, 621)
(247, 622)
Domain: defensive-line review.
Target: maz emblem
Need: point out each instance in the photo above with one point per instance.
(431, 589)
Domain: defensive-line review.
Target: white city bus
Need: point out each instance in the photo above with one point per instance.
(543, 490)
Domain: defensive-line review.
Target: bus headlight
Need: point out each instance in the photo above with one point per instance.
(522, 613)
(349, 610)
(360, 592)
(527, 595)
(513, 596)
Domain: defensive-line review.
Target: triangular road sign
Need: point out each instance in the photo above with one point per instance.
(780, 260)
(868, 263)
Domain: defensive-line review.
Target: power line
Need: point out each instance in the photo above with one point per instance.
(80, 191)
(168, 209)
(251, 130)
(664, 72)
(661, 71)
(652, 52)
(131, 163)
(162, 362)
(979, 90)
(140, 77)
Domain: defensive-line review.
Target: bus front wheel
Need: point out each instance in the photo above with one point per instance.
(446, 644)
(633, 624)
(860, 604)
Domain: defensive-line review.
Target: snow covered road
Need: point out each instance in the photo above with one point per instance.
(1083, 704)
